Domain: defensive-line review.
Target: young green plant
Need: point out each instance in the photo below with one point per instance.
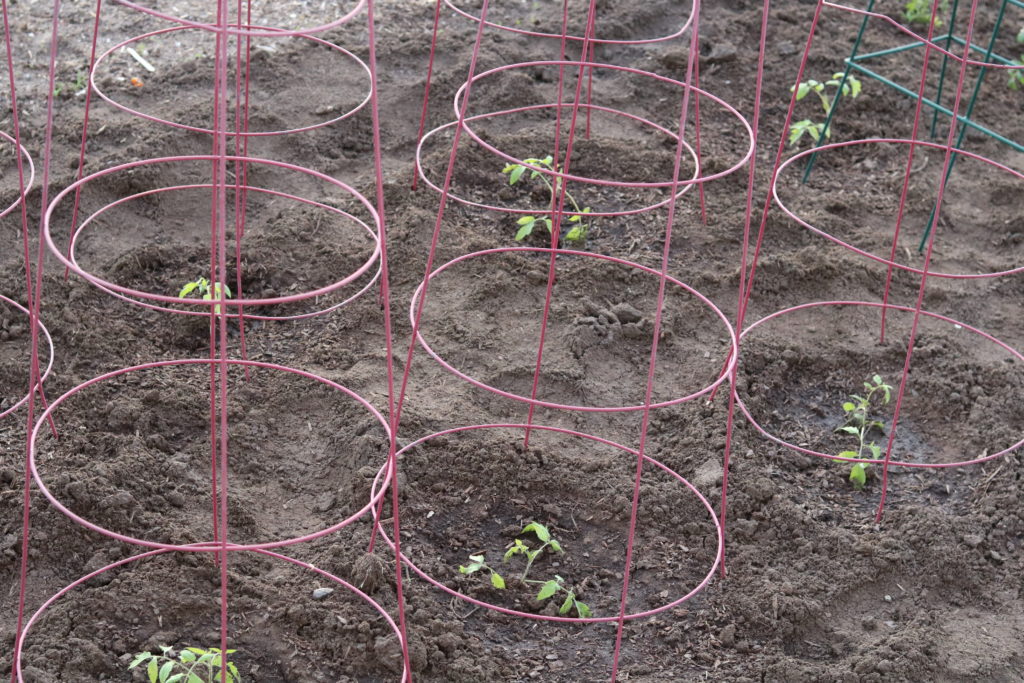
(515, 172)
(816, 130)
(188, 665)
(859, 422)
(920, 12)
(549, 588)
(203, 288)
(1015, 81)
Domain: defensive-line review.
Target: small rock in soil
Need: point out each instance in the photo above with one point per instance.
(121, 499)
(388, 651)
(708, 475)
(626, 313)
(369, 572)
(632, 331)
(720, 53)
(321, 593)
(727, 636)
(324, 502)
(973, 540)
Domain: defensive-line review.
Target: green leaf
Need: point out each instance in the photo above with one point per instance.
(187, 656)
(192, 678)
(567, 605)
(577, 234)
(876, 451)
(547, 222)
(858, 475)
(849, 430)
(516, 174)
(556, 546)
(165, 671)
(582, 609)
(509, 167)
(176, 678)
(574, 218)
(152, 670)
(547, 590)
(801, 91)
(847, 454)
(497, 581)
(1020, 36)
(187, 289)
(877, 380)
(470, 568)
(526, 220)
(539, 529)
(848, 407)
(232, 668)
(547, 161)
(139, 659)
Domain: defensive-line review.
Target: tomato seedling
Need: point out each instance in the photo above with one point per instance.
(188, 665)
(816, 130)
(202, 287)
(549, 588)
(1015, 81)
(859, 422)
(578, 232)
(920, 12)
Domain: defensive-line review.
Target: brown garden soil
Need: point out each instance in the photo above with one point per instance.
(816, 590)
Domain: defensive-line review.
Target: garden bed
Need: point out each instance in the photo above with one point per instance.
(815, 590)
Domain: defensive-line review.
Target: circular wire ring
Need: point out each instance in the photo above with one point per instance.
(199, 547)
(685, 184)
(543, 617)
(49, 344)
(599, 41)
(905, 309)
(196, 129)
(132, 295)
(44, 489)
(31, 175)
(723, 375)
(729, 109)
(922, 143)
(243, 30)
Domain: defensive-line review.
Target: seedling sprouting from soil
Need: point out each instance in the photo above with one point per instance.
(817, 130)
(549, 588)
(188, 665)
(202, 287)
(920, 12)
(578, 232)
(476, 564)
(859, 422)
(1015, 81)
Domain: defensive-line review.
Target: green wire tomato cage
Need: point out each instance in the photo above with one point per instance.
(859, 63)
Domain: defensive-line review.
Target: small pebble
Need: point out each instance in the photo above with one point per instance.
(321, 593)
